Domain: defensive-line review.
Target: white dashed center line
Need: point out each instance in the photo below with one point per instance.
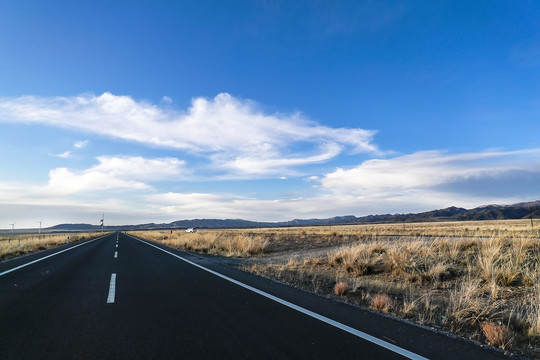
(115, 254)
(112, 289)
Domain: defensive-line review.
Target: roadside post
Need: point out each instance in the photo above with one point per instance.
(68, 239)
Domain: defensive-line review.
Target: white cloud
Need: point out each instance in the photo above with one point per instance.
(410, 183)
(64, 155)
(80, 144)
(71, 195)
(76, 145)
(233, 133)
(442, 175)
(241, 141)
(174, 206)
(251, 164)
(140, 168)
(64, 181)
(114, 173)
(230, 206)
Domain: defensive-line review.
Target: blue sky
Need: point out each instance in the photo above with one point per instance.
(154, 111)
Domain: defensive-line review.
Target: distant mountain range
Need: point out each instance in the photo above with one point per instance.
(488, 212)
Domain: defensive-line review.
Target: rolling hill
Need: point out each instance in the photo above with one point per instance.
(488, 212)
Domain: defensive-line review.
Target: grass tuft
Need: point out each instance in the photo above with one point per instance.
(16, 245)
(498, 335)
(457, 276)
(341, 288)
(382, 302)
(225, 243)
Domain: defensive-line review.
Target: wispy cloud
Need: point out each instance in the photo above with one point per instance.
(450, 175)
(254, 164)
(409, 183)
(113, 173)
(233, 133)
(63, 155)
(134, 175)
(80, 144)
(241, 141)
(206, 205)
(67, 154)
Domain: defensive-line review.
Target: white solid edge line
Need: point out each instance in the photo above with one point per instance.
(350, 330)
(112, 289)
(48, 256)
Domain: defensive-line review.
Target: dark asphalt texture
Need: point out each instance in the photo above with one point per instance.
(166, 308)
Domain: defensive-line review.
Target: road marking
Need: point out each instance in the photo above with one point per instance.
(112, 289)
(115, 254)
(350, 330)
(48, 256)
(116, 245)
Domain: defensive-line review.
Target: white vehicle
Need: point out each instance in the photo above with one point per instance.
(190, 230)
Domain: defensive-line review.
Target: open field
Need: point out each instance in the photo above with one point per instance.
(218, 242)
(477, 279)
(19, 244)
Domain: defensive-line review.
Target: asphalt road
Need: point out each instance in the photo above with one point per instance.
(118, 297)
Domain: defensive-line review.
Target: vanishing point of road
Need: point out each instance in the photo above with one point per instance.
(119, 297)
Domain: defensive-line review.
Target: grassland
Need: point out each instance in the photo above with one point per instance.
(13, 245)
(226, 243)
(477, 279)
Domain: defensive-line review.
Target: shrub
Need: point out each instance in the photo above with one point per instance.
(497, 334)
(341, 288)
(382, 302)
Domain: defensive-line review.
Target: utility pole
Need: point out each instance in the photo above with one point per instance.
(531, 217)
(39, 232)
(12, 230)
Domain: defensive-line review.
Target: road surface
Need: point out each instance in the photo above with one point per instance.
(118, 297)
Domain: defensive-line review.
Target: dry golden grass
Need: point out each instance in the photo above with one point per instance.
(457, 276)
(497, 334)
(463, 229)
(382, 302)
(358, 259)
(225, 243)
(532, 313)
(481, 277)
(15, 245)
(341, 288)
